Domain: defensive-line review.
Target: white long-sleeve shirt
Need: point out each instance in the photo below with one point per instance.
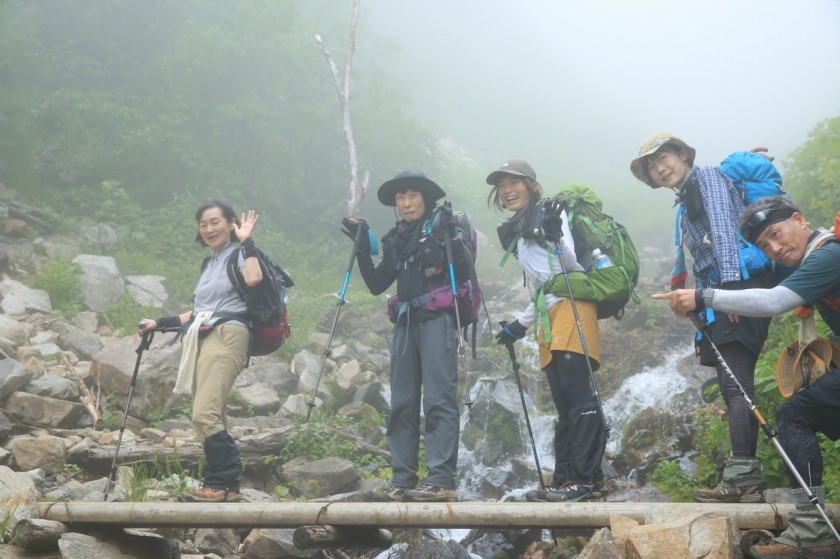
(534, 260)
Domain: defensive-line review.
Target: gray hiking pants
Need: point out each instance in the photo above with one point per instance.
(424, 360)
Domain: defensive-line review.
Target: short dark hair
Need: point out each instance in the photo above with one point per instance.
(227, 212)
(763, 213)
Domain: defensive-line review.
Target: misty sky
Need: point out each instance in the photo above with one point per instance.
(574, 87)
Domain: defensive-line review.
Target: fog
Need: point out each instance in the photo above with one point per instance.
(574, 88)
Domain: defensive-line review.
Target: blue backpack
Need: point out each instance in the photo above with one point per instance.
(755, 177)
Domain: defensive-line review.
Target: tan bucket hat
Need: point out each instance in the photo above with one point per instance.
(798, 368)
(652, 144)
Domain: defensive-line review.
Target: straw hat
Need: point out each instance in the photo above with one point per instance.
(798, 368)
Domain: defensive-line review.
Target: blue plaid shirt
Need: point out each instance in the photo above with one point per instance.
(715, 233)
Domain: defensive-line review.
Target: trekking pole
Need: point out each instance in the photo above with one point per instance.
(461, 349)
(360, 229)
(515, 365)
(769, 431)
(559, 252)
(145, 342)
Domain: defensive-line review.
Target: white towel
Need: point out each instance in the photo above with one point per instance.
(189, 354)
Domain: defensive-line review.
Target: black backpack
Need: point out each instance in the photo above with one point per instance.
(268, 320)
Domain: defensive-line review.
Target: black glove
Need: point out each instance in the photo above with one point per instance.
(510, 332)
(443, 226)
(351, 226)
(552, 224)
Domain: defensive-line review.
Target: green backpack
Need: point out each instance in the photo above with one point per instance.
(611, 286)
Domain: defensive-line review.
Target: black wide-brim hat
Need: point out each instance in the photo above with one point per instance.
(415, 180)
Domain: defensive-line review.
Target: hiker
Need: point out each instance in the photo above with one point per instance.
(776, 225)
(424, 349)
(212, 359)
(709, 228)
(579, 440)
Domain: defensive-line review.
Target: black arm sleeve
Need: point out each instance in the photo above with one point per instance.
(379, 278)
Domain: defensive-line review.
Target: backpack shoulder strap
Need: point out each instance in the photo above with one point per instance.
(819, 240)
(235, 274)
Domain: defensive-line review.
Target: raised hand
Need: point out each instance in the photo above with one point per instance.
(245, 228)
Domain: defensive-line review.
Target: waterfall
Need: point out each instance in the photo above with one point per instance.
(484, 462)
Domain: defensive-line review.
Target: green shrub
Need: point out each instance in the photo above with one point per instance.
(62, 280)
(669, 478)
(323, 436)
(125, 313)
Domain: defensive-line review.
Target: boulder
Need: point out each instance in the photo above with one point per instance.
(46, 452)
(706, 535)
(32, 299)
(13, 377)
(321, 478)
(102, 282)
(53, 386)
(267, 543)
(30, 409)
(19, 495)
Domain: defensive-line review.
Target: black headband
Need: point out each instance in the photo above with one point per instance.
(755, 225)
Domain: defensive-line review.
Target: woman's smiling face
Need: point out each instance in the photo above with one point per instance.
(513, 192)
(214, 228)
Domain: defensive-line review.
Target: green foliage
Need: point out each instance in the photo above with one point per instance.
(183, 410)
(71, 470)
(5, 521)
(62, 279)
(108, 418)
(167, 475)
(125, 313)
(670, 479)
(324, 436)
(813, 173)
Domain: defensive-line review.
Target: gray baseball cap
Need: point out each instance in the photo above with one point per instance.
(517, 167)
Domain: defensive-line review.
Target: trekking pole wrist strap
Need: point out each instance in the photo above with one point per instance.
(249, 249)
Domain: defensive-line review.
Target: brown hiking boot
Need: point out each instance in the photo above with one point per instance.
(779, 550)
(431, 494)
(725, 494)
(209, 495)
(397, 492)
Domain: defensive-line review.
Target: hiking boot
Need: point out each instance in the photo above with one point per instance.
(599, 489)
(210, 495)
(431, 494)
(779, 550)
(724, 494)
(397, 492)
(540, 495)
(569, 493)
